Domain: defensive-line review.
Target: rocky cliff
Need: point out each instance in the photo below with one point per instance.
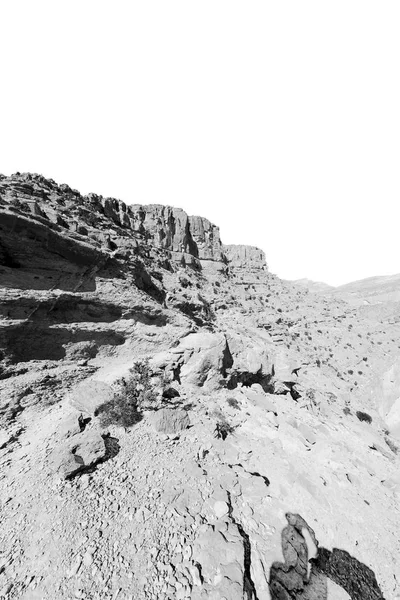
(177, 422)
(111, 224)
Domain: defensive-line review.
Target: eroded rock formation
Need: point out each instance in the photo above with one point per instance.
(252, 402)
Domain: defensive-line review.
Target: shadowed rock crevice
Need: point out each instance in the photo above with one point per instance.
(31, 341)
(247, 379)
(227, 361)
(253, 473)
(249, 588)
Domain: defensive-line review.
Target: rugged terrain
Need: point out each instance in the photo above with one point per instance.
(266, 464)
(371, 291)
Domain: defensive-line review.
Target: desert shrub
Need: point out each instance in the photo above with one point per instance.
(363, 416)
(133, 393)
(310, 395)
(331, 397)
(233, 402)
(222, 427)
(185, 282)
(346, 410)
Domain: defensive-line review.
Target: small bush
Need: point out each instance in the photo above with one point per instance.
(133, 393)
(362, 416)
(310, 395)
(331, 397)
(222, 427)
(185, 282)
(233, 402)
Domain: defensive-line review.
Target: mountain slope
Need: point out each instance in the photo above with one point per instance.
(273, 411)
(373, 290)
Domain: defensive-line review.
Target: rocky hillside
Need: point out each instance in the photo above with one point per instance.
(373, 290)
(177, 422)
(364, 292)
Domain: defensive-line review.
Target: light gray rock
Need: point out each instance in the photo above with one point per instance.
(79, 453)
(72, 425)
(170, 421)
(89, 395)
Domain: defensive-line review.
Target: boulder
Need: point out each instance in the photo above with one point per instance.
(79, 453)
(285, 367)
(207, 359)
(249, 354)
(202, 359)
(170, 421)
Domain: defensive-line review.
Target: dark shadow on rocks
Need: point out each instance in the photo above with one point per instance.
(112, 446)
(145, 283)
(291, 581)
(36, 341)
(247, 379)
(354, 577)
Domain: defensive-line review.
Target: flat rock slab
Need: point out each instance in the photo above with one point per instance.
(170, 421)
(89, 395)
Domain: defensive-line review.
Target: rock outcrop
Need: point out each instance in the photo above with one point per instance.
(245, 257)
(111, 224)
(178, 422)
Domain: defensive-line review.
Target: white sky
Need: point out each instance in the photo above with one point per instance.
(277, 120)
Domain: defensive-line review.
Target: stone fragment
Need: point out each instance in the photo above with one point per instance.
(170, 421)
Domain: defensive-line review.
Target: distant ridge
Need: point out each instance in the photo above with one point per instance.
(372, 290)
(317, 287)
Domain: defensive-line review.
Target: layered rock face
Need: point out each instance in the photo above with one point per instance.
(246, 257)
(177, 422)
(111, 223)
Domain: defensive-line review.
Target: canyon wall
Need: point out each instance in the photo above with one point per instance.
(112, 224)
